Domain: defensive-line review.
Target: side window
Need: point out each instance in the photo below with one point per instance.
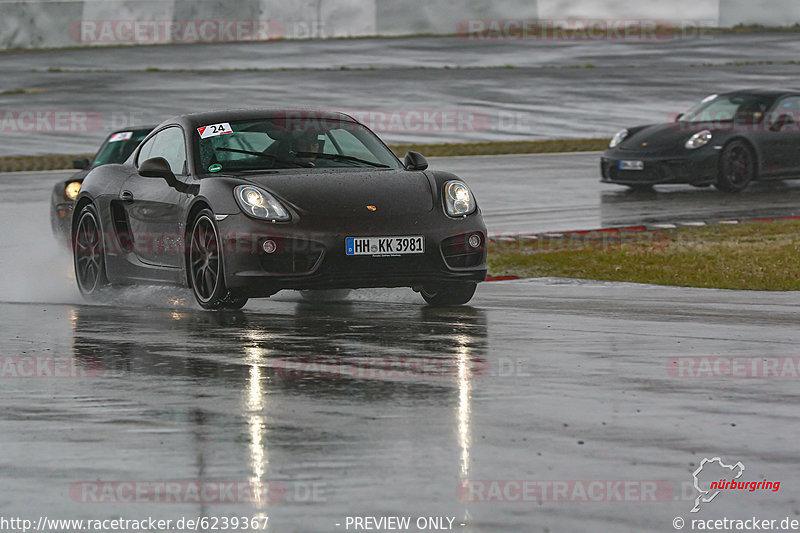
(168, 144)
(787, 106)
(144, 153)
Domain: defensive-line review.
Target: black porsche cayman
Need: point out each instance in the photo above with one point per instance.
(242, 204)
(726, 140)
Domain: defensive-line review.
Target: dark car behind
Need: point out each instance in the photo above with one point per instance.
(117, 147)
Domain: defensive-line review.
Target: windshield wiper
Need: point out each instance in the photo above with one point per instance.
(274, 159)
(341, 157)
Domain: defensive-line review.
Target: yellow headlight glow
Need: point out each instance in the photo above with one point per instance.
(72, 190)
(254, 198)
(458, 199)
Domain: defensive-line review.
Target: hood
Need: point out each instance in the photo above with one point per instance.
(347, 193)
(661, 137)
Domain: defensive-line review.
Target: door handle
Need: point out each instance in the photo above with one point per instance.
(126, 196)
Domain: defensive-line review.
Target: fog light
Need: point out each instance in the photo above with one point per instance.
(474, 240)
(269, 246)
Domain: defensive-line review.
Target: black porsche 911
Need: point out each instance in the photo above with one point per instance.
(116, 149)
(243, 204)
(726, 140)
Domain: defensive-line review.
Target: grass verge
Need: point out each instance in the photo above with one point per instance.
(29, 163)
(753, 255)
(547, 146)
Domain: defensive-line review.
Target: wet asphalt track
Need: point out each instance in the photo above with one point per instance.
(536, 380)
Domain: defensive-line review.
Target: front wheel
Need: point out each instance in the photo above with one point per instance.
(89, 254)
(737, 167)
(452, 293)
(206, 269)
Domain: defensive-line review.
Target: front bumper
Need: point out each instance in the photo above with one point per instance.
(311, 254)
(696, 168)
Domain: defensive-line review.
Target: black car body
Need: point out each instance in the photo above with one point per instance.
(242, 204)
(117, 147)
(727, 140)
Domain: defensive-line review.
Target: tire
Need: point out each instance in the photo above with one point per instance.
(88, 254)
(233, 302)
(737, 167)
(448, 294)
(206, 267)
(330, 295)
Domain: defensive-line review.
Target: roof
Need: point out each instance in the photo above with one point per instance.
(774, 93)
(134, 128)
(235, 115)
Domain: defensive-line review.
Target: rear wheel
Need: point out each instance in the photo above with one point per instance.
(737, 167)
(206, 268)
(451, 293)
(89, 254)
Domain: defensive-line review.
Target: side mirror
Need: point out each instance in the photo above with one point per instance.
(81, 163)
(679, 116)
(157, 167)
(415, 161)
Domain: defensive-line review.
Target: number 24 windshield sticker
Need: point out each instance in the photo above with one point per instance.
(214, 130)
(121, 136)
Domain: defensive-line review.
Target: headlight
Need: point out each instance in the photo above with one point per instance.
(72, 189)
(458, 199)
(618, 138)
(259, 203)
(699, 139)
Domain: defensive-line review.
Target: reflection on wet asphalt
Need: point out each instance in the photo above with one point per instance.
(382, 406)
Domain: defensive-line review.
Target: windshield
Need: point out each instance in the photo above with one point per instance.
(118, 147)
(281, 143)
(729, 107)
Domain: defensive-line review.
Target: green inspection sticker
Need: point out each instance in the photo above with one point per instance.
(216, 167)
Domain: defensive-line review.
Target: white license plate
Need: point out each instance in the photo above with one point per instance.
(384, 245)
(631, 165)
